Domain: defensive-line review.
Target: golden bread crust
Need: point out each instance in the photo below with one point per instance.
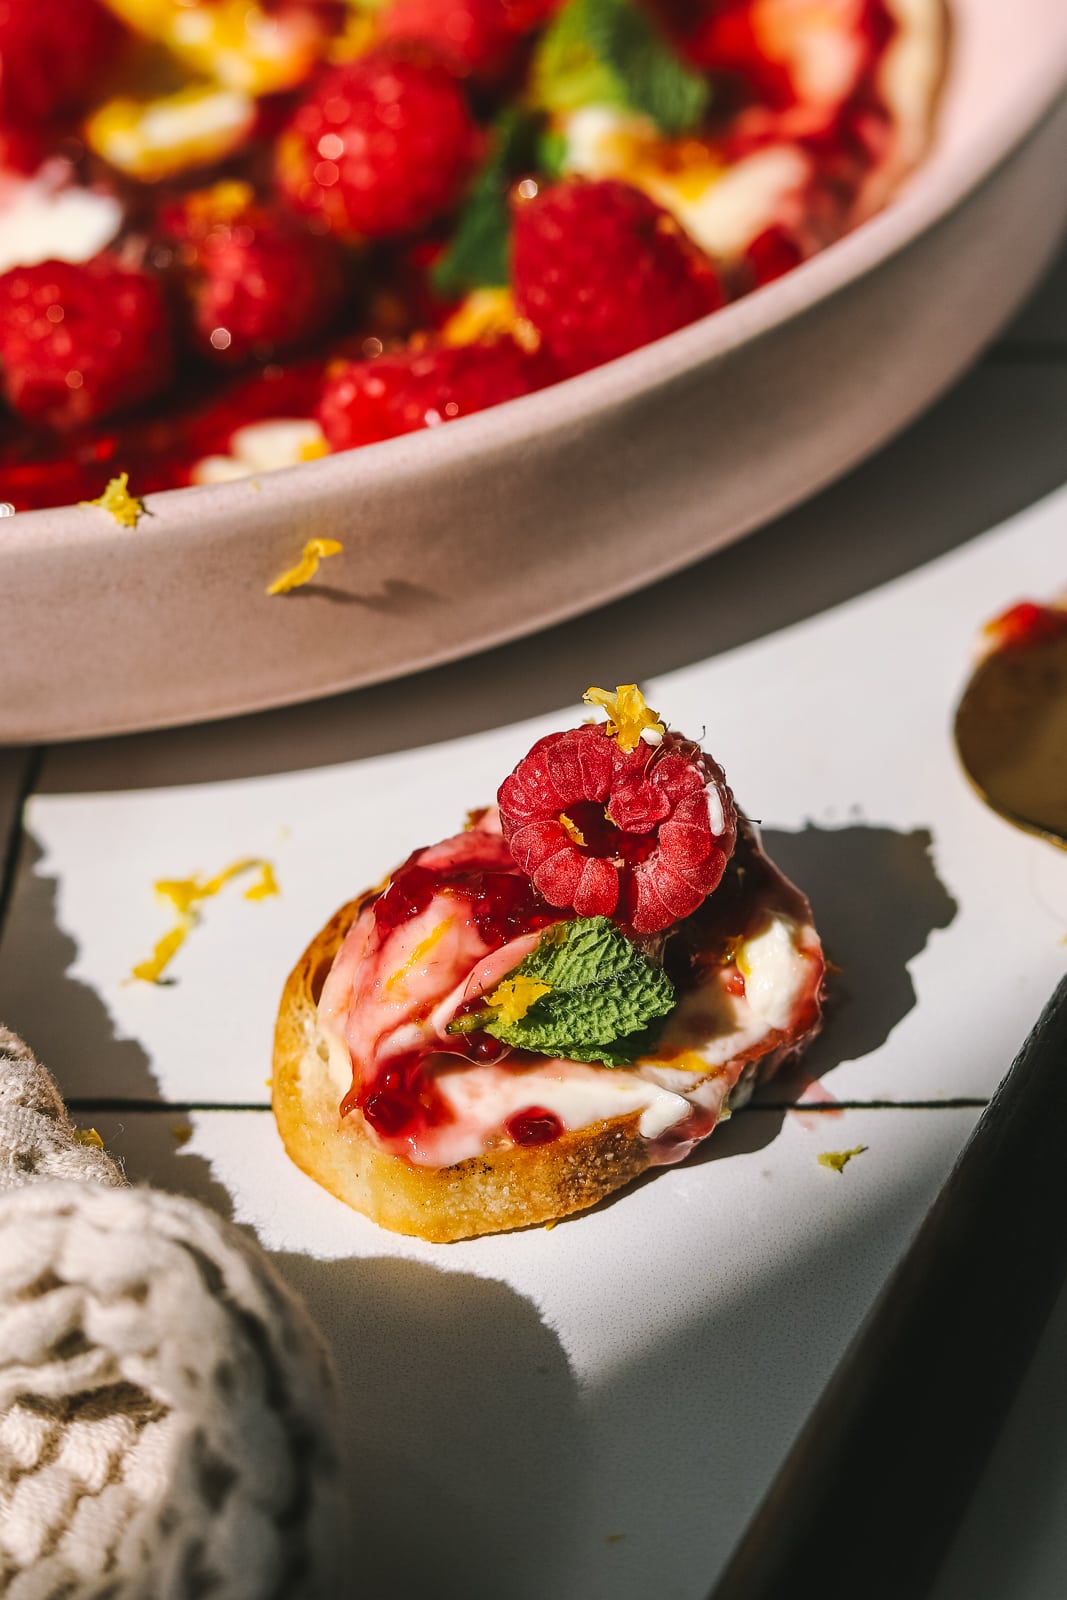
(511, 1188)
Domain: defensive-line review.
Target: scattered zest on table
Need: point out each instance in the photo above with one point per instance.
(185, 894)
(304, 570)
(838, 1160)
(122, 505)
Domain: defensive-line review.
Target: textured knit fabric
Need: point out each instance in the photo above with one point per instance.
(165, 1405)
(36, 1137)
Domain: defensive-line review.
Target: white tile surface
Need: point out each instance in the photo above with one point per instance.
(834, 731)
(517, 1403)
(639, 1371)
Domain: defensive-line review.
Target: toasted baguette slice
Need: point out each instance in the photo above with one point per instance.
(509, 1186)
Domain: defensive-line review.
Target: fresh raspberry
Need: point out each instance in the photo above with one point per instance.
(771, 254)
(79, 341)
(380, 146)
(726, 39)
(1026, 623)
(474, 38)
(53, 54)
(364, 401)
(599, 269)
(257, 280)
(643, 835)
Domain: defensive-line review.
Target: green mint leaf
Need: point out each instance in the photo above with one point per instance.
(552, 153)
(568, 72)
(603, 996)
(609, 52)
(477, 253)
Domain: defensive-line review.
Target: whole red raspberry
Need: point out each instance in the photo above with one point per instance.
(53, 54)
(79, 341)
(379, 146)
(364, 401)
(725, 38)
(258, 282)
(771, 254)
(600, 269)
(642, 835)
(474, 38)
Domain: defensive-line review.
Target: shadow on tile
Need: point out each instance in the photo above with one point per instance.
(461, 1414)
(990, 448)
(876, 898)
(70, 1029)
(63, 1020)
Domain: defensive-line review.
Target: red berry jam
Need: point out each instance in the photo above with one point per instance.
(398, 1094)
(533, 1126)
(1027, 624)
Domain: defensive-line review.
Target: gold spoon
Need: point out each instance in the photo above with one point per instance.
(1011, 724)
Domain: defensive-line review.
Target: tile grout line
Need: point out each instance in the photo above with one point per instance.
(154, 1107)
(13, 847)
(1027, 352)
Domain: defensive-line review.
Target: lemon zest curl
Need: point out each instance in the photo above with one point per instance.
(838, 1160)
(185, 894)
(629, 718)
(571, 829)
(514, 997)
(314, 551)
(119, 502)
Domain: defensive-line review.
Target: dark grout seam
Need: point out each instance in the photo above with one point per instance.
(9, 865)
(106, 1103)
(90, 1103)
(1038, 352)
(963, 1103)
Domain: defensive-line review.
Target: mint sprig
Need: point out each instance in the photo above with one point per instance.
(609, 52)
(477, 253)
(604, 997)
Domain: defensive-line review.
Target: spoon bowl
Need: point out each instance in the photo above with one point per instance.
(1011, 722)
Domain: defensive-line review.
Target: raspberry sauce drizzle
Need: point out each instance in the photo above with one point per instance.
(398, 1093)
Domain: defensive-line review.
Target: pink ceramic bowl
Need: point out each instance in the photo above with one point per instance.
(498, 524)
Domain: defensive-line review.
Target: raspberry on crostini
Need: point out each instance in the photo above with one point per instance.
(529, 1014)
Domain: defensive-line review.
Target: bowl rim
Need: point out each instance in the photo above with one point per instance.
(930, 194)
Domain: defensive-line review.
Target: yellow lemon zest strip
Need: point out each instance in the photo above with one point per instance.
(514, 997)
(222, 202)
(184, 894)
(117, 499)
(571, 829)
(420, 952)
(158, 138)
(152, 970)
(628, 715)
(682, 1061)
(484, 314)
(838, 1160)
(266, 885)
(314, 551)
(89, 1136)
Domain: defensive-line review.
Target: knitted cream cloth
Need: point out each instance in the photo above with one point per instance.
(165, 1404)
